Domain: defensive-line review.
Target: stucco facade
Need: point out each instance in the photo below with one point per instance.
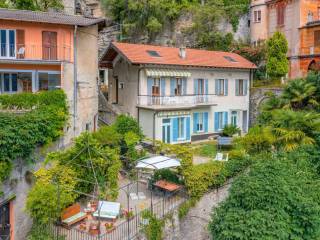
(39, 56)
(132, 87)
(297, 15)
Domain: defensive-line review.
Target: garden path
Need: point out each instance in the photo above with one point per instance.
(194, 225)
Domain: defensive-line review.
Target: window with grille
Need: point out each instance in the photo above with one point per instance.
(257, 16)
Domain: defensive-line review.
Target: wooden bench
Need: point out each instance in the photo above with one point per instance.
(72, 215)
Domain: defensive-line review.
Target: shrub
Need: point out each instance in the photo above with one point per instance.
(200, 178)
(153, 229)
(230, 130)
(41, 231)
(125, 124)
(20, 134)
(166, 174)
(185, 207)
(281, 188)
(108, 136)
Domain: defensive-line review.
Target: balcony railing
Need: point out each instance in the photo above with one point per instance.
(184, 100)
(310, 50)
(35, 52)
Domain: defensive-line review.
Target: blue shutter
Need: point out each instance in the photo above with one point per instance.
(206, 88)
(195, 84)
(216, 121)
(150, 84)
(174, 129)
(205, 121)
(216, 84)
(184, 86)
(225, 119)
(188, 134)
(226, 87)
(172, 86)
(245, 87)
(195, 122)
(237, 87)
(163, 86)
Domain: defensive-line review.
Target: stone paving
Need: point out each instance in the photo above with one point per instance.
(194, 225)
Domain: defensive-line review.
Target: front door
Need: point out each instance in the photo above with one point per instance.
(166, 127)
(5, 222)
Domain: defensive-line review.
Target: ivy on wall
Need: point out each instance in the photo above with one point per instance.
(26, 121)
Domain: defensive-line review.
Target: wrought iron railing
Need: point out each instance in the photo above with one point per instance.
(35, 52)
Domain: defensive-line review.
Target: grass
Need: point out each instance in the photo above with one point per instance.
(207, 149)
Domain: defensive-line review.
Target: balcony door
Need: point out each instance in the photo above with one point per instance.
(9, 82)
(7, 43)
(49, 45)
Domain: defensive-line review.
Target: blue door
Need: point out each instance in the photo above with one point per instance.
(166, 130)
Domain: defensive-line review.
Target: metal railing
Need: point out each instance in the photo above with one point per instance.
(127, 229)
(148, 100)
(35, 52)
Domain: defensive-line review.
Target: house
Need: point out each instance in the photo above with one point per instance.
(178, 95)
(43, 51)
(299, 20)
(40, 52)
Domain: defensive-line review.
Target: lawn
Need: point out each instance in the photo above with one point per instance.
(207, 149)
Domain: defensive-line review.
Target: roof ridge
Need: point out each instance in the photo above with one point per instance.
(163, 46)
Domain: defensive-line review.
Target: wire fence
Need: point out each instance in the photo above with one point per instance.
(129, 228)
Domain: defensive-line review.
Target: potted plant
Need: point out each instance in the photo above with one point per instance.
(109, 227)
(129, 214)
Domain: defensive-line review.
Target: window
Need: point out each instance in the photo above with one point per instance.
(7, 43)
(280, 14)
(220, 120)
(200, 87)
(257, 16)
(230, 59)
(49, 45)
(178, 89)
(49, 81)
(181, 128)
(9, 82)
(234, 118)
(153, 53)
(200, 123)
(241, 87)
(317, 38)
(318, 13)
(156, 87)
(220, 88)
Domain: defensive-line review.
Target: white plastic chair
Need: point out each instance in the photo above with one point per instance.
(219, 157)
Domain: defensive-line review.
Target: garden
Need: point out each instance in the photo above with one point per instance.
(278, 197)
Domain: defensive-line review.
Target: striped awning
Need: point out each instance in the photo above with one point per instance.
(167, 73)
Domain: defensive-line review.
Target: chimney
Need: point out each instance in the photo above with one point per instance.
(182, 52)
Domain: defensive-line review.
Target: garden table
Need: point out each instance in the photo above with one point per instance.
(167, 186)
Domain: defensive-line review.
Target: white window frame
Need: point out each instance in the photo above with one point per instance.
(8, 44)
(200, 124)
(183, 137)
(241, 93)
(221, 87)
(234, 114)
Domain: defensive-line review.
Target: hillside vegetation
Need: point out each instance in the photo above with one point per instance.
(149, 17)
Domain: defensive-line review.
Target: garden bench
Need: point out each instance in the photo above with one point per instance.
(224, 141)
(72, 215)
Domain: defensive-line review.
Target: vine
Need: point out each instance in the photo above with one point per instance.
(26, 121)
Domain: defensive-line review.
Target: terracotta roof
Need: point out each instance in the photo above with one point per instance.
(140, 54)
(48, 17)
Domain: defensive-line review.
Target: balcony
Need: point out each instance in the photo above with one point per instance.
(13, 52)
(172, 102)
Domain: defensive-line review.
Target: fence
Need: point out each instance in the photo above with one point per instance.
(128, 229)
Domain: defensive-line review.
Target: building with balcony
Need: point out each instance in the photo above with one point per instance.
(178, 95)
(298, 20)
(44, 51)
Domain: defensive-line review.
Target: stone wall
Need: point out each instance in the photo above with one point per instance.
(257, 97)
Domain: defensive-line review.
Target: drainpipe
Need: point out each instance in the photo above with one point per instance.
(75, 79)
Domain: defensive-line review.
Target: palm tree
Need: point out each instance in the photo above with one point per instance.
(300, 94)
(294, 128)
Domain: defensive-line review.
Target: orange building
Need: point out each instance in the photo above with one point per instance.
(44, 51)
(299, 20)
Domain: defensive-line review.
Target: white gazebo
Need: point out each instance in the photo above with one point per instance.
(158, 162)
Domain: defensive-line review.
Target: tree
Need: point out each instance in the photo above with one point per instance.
(300, 94)
(277, 200)
(52, 184)
(277, 61)
(3, 4)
